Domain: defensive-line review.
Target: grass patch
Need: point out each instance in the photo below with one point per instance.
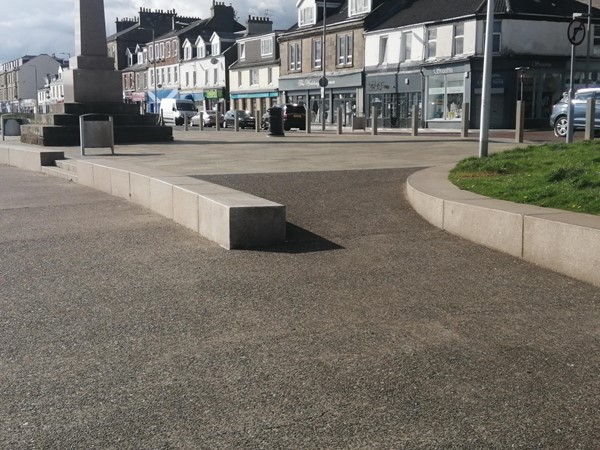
(554, 175)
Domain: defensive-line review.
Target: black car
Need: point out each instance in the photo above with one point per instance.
(245, 119)
(294, 116)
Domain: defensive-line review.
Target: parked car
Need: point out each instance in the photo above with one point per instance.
(558, 118)
(245, 119)
(294, 116)
(209, 119)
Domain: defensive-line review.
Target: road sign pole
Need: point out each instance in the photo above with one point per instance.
(570, 131)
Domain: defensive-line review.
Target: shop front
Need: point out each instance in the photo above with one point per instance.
(393, 95)
(447, 88)
(214, 97)
(345, 91)
(252, 101)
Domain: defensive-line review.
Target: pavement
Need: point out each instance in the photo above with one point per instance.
(369, 328)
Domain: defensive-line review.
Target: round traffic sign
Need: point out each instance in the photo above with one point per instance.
(323, 82)
(576, 32)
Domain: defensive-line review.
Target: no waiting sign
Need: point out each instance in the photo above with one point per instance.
(576, 32)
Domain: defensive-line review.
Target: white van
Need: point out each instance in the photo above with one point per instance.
(173, 111)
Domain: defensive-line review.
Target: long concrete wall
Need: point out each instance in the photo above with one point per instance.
(562, 241)
(231, 218)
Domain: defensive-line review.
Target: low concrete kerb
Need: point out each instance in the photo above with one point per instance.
(231, 218)
(566, 242)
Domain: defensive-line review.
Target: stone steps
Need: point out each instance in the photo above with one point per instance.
(64, 168)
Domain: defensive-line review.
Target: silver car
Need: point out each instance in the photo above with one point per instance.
(558, 118)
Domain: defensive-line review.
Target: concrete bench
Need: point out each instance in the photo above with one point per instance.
(231, 218)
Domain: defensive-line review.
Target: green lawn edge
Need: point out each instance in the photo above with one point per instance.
(561, 176)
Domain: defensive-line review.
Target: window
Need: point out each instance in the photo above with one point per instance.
(266, 47)
(431, 42)
(497, 36)
(216, 76)
(194, 77)
(459, 39)
(295, 56)
(596, 42)
(187, 78)
(317, 54)
(344, 50)
(270, 75)
(169, 75)
(187, 53)
(152, 77)
(253, 77)
(175, 74)
(383, 41)
(239, 77)
(242, 51)
(215, 48)
(168, 51)
(406, 47)
(175, 46)
(129, 59)
(161, 54)
(206, 77)
(306, 16)
(359, 7)
(162, 76)
(151, 53)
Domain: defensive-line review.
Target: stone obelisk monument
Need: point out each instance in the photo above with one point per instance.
(92, 86)
(92, 77)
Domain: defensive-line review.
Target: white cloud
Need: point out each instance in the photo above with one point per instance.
(42, 26)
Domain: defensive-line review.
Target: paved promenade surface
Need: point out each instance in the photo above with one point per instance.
(370, 329)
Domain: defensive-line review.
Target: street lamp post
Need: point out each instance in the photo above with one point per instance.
(323, 80)
(484, 127)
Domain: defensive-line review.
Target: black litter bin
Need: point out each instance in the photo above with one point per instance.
(276, 121)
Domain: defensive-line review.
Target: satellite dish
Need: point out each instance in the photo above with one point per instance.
(214, 61)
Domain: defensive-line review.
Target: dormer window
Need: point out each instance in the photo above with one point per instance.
(201, 50)
(242, 51)
(266, 47)
(307, 15)
(215, 48)
(357, 7)
(129, 58)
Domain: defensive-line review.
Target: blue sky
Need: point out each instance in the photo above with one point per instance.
(42, 26)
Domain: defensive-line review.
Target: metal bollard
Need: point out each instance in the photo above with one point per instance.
(257, 120)
(217, 121)
(414, 120)
(464, 124)
(340, 120)
(590, 117)
(236, 121)
(520, 125)
(374, 120)
(308, 121)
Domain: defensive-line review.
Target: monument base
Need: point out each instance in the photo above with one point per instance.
(60, 128)
(92, 86)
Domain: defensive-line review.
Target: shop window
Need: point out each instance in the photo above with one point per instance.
(445, 96)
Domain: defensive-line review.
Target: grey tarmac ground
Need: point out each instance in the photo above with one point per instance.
(368, 329)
